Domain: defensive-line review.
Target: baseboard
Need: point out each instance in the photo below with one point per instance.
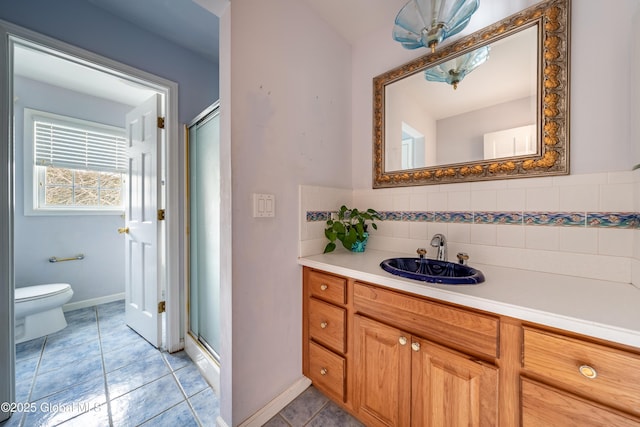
(93, 301)
(276, 405)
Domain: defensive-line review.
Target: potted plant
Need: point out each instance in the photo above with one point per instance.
(350, 228)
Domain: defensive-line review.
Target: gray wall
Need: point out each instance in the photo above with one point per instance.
(37, 238)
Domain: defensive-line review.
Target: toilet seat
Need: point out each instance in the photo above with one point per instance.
(30, 293)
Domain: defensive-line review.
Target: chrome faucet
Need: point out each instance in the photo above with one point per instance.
(440, 242)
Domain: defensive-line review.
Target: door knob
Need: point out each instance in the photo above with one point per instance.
(124, 230)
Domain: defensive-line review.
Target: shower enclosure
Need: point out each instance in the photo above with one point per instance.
(203, 176)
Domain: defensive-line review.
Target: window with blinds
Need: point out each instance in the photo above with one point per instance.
(79, 166)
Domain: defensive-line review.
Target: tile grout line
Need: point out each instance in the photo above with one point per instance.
(104, 370)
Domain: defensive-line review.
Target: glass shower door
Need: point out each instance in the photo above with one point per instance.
(204, 229)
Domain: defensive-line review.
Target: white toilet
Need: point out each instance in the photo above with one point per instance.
(38, 310)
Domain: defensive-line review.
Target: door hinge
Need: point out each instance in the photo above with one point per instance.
(161, 214)
(162, 307)
(160, 122)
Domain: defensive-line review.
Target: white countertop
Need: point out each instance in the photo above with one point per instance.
(602, 309)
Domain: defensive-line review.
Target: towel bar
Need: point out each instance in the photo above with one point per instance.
(74, 258)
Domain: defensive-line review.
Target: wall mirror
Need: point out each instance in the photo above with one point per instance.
(506, 118)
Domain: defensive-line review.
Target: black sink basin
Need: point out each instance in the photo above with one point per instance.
(433, 271)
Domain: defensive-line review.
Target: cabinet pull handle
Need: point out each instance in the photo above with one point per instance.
(323, 371)
(324, 325)
(588, 371)
(415, 346)
(402, 340)
(324, 287)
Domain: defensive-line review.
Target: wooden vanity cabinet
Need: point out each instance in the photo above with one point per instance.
(325, 332)
(567, 380)
(393, 358)
(403, 380)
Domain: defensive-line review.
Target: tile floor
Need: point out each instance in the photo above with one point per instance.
(98, 372)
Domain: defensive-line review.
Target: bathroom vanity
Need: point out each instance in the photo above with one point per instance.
(523, 348)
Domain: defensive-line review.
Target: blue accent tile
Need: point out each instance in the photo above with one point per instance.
(190, 379)
(118, 337)
(145, 402)
(136, 375)
(28, 349)
(71, 402)
(180, 415)
(66, 376)
(82, 315)
(511, 218)
(177, 360)
(140, 350)
(207, 407)
(567, 219)
(56, 357)
(612, 219)
(96, 417)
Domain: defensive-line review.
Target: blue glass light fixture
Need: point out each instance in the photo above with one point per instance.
(454, 70)
(425, 23)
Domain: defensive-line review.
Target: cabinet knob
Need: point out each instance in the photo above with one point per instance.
(402, 340)
(588, 371)
(324, 325)
(415, 346)
(323, 371)
(324, 287)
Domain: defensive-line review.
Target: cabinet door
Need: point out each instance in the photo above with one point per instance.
(382, 374)
(451, 389)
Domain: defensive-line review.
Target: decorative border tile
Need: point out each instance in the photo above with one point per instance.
(454, 216)
(625, 220)
(500, 218)
(313, 216)
(567, 219)
(613, 219)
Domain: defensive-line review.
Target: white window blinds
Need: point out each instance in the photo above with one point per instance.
(73, 147)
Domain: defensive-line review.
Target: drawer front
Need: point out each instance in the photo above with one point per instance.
(545, 406)
(327, 324)
(327, 371)
(566, 361)
(448, 325)
(327, 287)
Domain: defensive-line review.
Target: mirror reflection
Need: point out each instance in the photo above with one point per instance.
(489, 113)
(492, 105)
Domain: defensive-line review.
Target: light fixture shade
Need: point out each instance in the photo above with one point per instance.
(455, 70)
(426, 23)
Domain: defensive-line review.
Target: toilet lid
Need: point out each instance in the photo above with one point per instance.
(27, 293)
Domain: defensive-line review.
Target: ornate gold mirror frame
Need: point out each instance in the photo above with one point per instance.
(552, 18)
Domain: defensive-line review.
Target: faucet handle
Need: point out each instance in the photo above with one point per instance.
(421, 252)
(463, 257)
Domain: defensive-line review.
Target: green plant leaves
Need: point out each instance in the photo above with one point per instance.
(350, 227)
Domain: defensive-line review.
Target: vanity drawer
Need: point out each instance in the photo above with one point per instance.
(327, 370)
(327, 287)
(459, 328)
(567, 362)
(327, 324)
(545, 406)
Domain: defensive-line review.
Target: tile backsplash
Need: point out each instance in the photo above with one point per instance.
(580, 225)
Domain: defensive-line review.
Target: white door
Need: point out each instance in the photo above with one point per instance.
(142, 228)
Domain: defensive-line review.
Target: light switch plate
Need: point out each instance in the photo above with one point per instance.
(264, 205)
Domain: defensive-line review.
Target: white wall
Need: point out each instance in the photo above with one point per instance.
(290, 79)
(37, 238)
